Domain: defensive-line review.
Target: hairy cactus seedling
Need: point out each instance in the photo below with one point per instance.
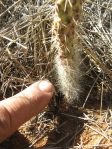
(65, 41)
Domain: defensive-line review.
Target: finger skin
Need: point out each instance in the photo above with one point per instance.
(18, 109)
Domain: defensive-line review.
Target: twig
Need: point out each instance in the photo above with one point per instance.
(9, 8)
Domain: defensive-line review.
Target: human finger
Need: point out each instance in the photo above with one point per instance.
(18, 109)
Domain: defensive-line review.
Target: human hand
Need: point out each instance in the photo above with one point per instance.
(16, 110)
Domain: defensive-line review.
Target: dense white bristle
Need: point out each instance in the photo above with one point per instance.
(68, 76)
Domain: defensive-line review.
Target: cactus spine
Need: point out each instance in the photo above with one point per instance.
(67, 13)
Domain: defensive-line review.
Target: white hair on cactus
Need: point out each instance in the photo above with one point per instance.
(68, 76)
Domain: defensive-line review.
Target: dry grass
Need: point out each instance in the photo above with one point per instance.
(96, 31)
(26, 56)
(25, 43)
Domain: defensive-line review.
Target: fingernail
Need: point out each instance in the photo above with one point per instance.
(46, 86)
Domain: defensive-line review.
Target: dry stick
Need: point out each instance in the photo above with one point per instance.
(90, 91)
(35, 48)
(27, 23)
(91, 146)
(92, 121)
(42, 134)
(99, 141)
(55, 148)
(2, 4)
(102, 86)
(10, 54)
(16, 61)
(102, 134)
(59, 141)
(26, 80)
(18, 65)
(43, 35)
(13, 41)
(39, 137)
(97, 61)
(9, 8)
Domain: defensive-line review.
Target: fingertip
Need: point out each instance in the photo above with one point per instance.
(46, 86)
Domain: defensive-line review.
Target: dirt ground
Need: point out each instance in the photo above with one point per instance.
(73, 128)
